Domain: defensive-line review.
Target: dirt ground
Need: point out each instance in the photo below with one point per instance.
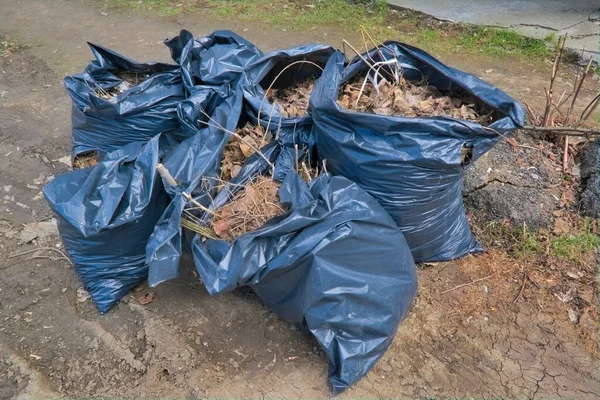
(508, 335)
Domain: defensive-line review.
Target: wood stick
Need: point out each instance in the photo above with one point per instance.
(577, 89)
(40, 249)
(519, 296)
(468, 284)
(566, 153)
(166, 175)
(550, 91)
(563, 130)
(589, 109)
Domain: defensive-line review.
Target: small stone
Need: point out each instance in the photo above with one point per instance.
(573, 316)
(489, 71)
(65, 160)
(82, 295)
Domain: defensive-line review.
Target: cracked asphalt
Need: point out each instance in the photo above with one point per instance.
(579, 19)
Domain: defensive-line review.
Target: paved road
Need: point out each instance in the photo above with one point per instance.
(534, 18)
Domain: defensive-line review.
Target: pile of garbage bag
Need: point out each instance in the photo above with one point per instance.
(316, 181)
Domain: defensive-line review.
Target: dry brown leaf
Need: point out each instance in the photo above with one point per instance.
(513, 143)
(406, 99)
(561, 226)
(293, 101)
(146, 299)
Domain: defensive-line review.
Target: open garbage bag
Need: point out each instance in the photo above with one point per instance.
(105, 215)
(412, 166)
(109, 112)
(278, 71)
(335, 265)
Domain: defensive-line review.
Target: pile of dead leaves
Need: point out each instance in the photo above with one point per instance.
(408, 100)
(293, 100)
(239, 147)
(254, 205)
(128, 80)
(86, 160)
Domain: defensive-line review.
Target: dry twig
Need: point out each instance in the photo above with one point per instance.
(467, 284)
(63, 255)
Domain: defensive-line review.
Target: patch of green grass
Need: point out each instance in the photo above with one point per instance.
(527, 243)
(502, 42)
(523, 243)
(301, 15)
(161, 7)
(573, 246)
(374, 15)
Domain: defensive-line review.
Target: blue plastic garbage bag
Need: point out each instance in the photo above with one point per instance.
(215, 59)
(336, 265)
(136, 113)
(279, 70)
(194, 163)
(105, 215)
(412, 166)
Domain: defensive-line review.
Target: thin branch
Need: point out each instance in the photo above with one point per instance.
(591, 107)
(566, 154)
(550, 91)
(362, 58)
(577, 89)
(520, 295)
(277, 77)
(565, 131)
(166, 175)
(468, 284)
(42, 248)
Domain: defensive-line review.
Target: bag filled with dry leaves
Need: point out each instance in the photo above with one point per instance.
(277, 88)
(405, 127)
(214, 160)
(117, 101)
(320, 252)
(105, 215)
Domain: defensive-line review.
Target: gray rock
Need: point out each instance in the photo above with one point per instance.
(38, 230)
(518, 184)
(522, 205)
